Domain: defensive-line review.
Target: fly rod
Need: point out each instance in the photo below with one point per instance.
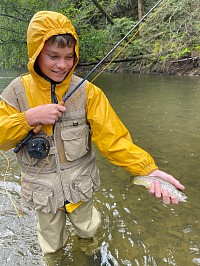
(38, 128)
(110, 52)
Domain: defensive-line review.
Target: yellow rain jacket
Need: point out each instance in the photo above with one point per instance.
(107, 131)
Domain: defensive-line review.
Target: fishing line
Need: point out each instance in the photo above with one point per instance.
(25, 190)
(83, 80)
(6, 188)
(141, 26)
(21, 212)
(110, 52)
(38, 128)
(126, 44)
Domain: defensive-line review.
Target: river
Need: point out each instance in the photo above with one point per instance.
(162, 115)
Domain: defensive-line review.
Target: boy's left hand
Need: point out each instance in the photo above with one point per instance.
(156, 190)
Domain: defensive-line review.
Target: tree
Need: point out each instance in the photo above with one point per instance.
(170, 34)
(140, 9)
(99, 6)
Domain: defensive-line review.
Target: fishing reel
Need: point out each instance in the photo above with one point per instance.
(38, 147)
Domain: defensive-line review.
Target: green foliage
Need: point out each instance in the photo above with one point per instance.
(157, 47)
(179, 23)
(169, 33)
(93, 44)
(185, 52)
(137, 47)
(14, 19)
(120, 27)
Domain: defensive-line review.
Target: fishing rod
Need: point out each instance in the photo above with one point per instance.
(43, 147)
(110, 52)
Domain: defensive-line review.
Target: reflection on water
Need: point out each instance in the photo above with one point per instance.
(162, 114)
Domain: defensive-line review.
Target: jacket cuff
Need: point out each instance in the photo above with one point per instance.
(23, 122)
(148, 169)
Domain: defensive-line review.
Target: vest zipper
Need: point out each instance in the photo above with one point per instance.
(58, 170)
(53, 94)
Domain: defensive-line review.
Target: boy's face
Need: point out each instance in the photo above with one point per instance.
(56, 62)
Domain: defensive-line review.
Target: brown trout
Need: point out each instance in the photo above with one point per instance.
(172, 190)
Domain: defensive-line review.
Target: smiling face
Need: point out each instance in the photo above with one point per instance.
(56, 62)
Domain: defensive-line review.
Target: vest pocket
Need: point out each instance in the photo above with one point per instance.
(88, 184)
(39, 195)
(85, 189)
(75, 140)
(82, 185)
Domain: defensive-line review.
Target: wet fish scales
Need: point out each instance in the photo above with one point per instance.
(147, 180)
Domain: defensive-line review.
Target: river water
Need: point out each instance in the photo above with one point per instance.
(162, 115)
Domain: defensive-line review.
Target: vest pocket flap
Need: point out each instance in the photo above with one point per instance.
(74, 132)
(37, 186)
(39, 195)
(85, 189)
(85, 185)
(39, 198)
(75, 140)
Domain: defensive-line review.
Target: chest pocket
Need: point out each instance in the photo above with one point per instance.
(76, 140)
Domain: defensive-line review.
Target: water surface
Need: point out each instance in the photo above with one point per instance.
(162, 114)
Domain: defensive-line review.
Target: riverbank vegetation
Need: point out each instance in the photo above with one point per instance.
(168, 41)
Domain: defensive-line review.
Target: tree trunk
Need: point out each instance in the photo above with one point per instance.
(140, 9)
(99, 6)
(120, 60)
(140, 13)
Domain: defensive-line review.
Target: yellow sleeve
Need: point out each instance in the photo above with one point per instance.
(112, 138)
(13, 126)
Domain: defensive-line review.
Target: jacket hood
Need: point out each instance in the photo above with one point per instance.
(42, 26)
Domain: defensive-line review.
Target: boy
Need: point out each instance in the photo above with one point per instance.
(64, 174)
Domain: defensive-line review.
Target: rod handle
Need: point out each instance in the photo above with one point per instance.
(61, 103)
(38, 127)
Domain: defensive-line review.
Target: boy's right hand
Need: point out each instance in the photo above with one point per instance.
(46, 114)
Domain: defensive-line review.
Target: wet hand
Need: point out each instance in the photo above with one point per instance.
(155, 188)
(46, 114)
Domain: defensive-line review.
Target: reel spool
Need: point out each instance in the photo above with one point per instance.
(38, 147)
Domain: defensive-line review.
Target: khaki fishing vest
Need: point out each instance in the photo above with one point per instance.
(69, 171)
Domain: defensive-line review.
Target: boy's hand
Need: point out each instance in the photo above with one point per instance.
(156, 190)
(46, 114)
